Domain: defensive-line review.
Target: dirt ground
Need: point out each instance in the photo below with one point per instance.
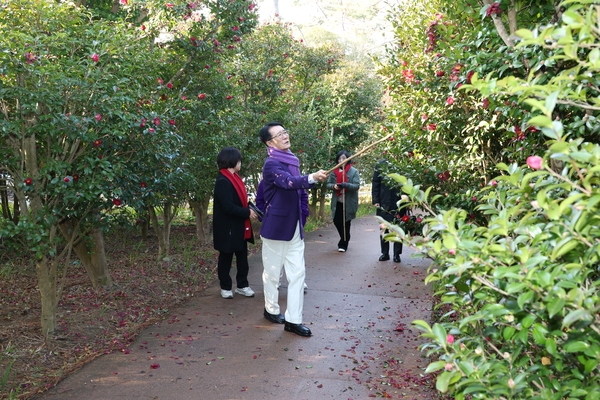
(92, 323)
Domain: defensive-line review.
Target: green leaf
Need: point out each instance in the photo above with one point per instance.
(576, 315)
(540, 121)
(575, 347)
(442, 381)
(435, 366)
(524, 33)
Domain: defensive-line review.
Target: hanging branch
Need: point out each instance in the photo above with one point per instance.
(359, 153)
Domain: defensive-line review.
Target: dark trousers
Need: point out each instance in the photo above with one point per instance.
(224, 266)
(385, 246)
(343, 228)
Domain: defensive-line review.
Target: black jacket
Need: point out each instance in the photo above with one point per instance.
(228, 218)
(386, 196)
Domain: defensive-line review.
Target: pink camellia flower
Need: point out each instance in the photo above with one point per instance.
(452, 251)
(202, 96)
(235, 28)
(534, 162)
(419, 220)
(440, 73)
(124, 2)
(229, 97)
(143, 123)
(98, 117)
(493, 183)
(382, 226)
(448, 367)
(251, 6)
(424, 117)
(449, 339)
(431, 127)
(95, 57)
(30, 58)
(171, 122)
(156, 121)
(473, 198)
(485, 103)
(450, 100)
(169, 5)
(117, 202)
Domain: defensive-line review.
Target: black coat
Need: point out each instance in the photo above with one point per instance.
(386, 196)
(228, 217)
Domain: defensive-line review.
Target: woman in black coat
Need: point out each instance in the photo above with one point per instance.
(385, 198)
(232, 229)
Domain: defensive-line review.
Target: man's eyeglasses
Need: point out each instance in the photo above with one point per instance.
(280, 134)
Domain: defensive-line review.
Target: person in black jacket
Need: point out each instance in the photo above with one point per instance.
(232, 229)
(385, 198)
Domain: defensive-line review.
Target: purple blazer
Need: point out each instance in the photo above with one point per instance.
(283, 195)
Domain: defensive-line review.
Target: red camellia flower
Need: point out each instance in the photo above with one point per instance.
(440, 73)
(67, 179)
(171, 122)
(473, 198)
(98, 117)
(493, 9)
(170, 85)
(97, 143)
(235, 28)
(229, 97)
(202, 96)
(408, 74)
(143, 27)
(156, 121)
(251, 6)
(143, 123)
(95, 57)
(405, 218)
(75, 177)
(450, 101)
(241, 19)
(143, 184)
(207, 66)
(117, 202)
(28, 181)
(431, 127)
(469, 76)
(485, 103)
(236, 38)
(155, 366)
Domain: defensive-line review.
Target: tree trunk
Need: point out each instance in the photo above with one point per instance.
(46, 276)
(322, 205)
(92, 255)
(201, 214)
(163, 232)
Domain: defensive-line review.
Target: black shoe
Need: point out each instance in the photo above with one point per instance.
(298, 329)
(274, 318)
(396, 258)
(384, 257)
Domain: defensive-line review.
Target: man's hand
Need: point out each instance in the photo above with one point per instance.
(320, 176)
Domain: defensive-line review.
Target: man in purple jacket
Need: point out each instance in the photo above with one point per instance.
(282, 230)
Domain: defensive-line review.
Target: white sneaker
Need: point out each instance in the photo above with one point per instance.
(245, 291)
(342, 250)
(226, 294)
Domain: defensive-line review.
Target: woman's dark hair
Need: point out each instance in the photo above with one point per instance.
(228, 157)
(264, 134)
(341, 153)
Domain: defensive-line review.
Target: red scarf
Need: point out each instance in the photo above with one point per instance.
(341, 176)
(240, 189)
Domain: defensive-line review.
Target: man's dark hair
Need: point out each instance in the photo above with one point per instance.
(228, 157)
(264, 134)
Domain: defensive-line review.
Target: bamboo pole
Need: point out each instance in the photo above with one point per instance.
(338, 165)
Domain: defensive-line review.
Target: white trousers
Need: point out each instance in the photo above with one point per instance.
(278, 254)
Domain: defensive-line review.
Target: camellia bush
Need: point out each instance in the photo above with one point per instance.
(521, 289)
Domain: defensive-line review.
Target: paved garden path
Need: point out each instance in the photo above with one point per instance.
(358, 308)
